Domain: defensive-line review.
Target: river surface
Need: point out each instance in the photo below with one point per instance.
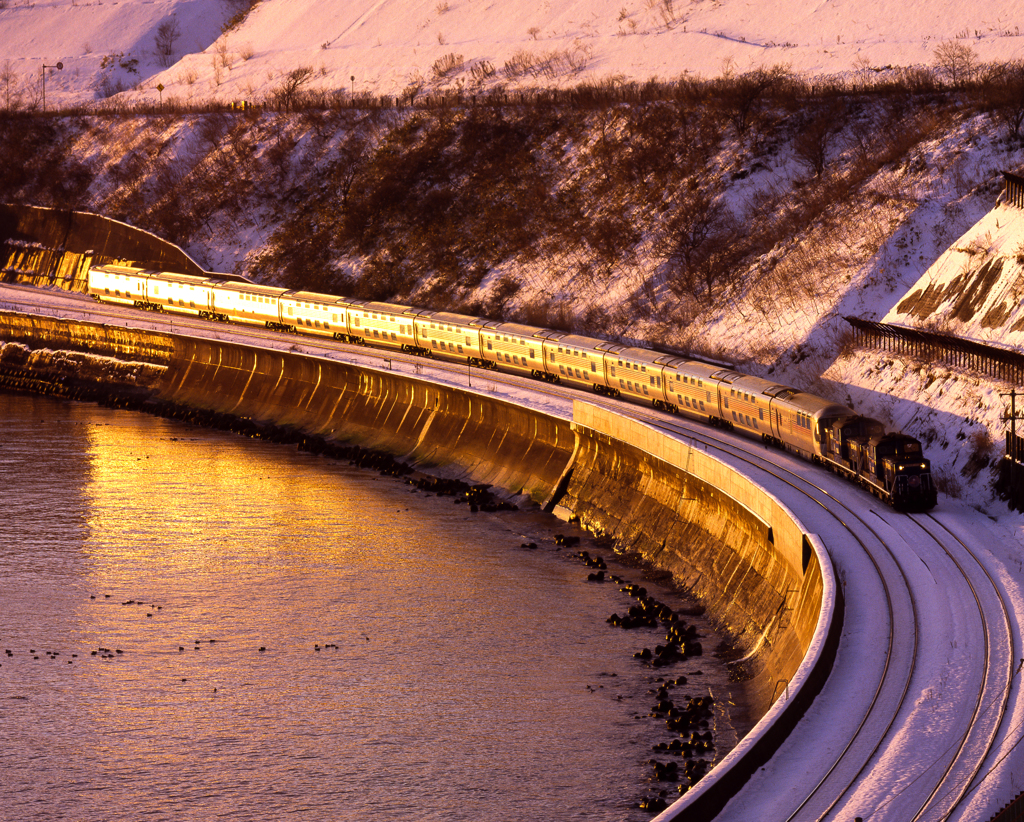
(198, 626)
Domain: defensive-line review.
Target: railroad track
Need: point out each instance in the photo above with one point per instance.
(931, 587)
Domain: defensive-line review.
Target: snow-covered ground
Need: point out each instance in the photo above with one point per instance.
(391, 46)
(915, 745)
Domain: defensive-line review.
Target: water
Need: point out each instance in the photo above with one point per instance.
(459, 676)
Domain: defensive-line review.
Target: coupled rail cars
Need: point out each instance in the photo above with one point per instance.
(891, 466)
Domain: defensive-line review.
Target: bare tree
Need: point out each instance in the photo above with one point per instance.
(166, 34)
(289, 92)
(742, 95)
(699, 241)
(9, 86)
(816, 138)
(1003, 90)
(956, 62)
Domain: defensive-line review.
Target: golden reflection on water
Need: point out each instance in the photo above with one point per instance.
(416, 661)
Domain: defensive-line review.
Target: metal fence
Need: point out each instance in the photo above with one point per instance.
(1001, 363)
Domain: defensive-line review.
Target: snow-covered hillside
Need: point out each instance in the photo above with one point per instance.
(391, 46)
(232, 192)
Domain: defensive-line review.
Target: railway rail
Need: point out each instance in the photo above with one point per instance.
(912, 578)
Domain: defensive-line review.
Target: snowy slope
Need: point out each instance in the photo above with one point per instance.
(390, 45)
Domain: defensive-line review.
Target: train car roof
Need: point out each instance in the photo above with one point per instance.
(758, 385)
(520, 330)
(250, 288)
(227, 278)
(695, 368)
(643, 355)
(815, 406)
(591, 343)
(390, 308)
(315, 297)
(451, 317)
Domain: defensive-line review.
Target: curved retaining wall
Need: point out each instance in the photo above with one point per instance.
(730, 542)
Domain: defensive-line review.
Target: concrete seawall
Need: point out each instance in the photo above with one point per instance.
(734, 545)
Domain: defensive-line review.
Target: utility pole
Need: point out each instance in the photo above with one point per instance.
(1012, 448)
(58, 66)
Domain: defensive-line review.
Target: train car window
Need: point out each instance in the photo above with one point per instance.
(725, 402)
(593, 366)
(586, 376)
(460, 349)
(393, 336)
(552, 356)
(734, 416)
(645, 389)
(612, 369)
(621, 383)
(434, 342)
(702, 406)
(532, 353)
(760, 412)
(490, 347)
(561, 370)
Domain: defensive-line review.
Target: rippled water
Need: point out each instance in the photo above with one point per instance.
(145, 564)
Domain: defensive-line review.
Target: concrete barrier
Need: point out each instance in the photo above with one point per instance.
(734, 545)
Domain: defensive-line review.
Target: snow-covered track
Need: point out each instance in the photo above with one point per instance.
(912, 720)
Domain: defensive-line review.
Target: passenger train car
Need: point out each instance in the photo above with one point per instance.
(892, 466)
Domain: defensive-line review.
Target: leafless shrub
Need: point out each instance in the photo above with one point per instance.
(947, 483)
(519, 64)
(167, 33)
(237, 10)
(482, 71)
(447, 64)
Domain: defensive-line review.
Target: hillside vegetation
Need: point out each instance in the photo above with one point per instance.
(624, 210)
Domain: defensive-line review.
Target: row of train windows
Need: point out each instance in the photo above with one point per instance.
(750, 423)
(690, 380)
(315, 324)
(449, 347)
(633, 365)
(490, 347)
(686, 401)
(566, 371)
(255, 298)
(628, 385)
(742, 394)
(803, 421)
(572, 351)
(383, 335)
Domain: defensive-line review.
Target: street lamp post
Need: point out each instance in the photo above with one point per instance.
(59, 66)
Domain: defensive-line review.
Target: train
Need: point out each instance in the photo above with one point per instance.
(890, 465)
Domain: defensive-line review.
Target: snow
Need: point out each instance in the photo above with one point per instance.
(946, 662)
(945, 215)
(389, 46)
